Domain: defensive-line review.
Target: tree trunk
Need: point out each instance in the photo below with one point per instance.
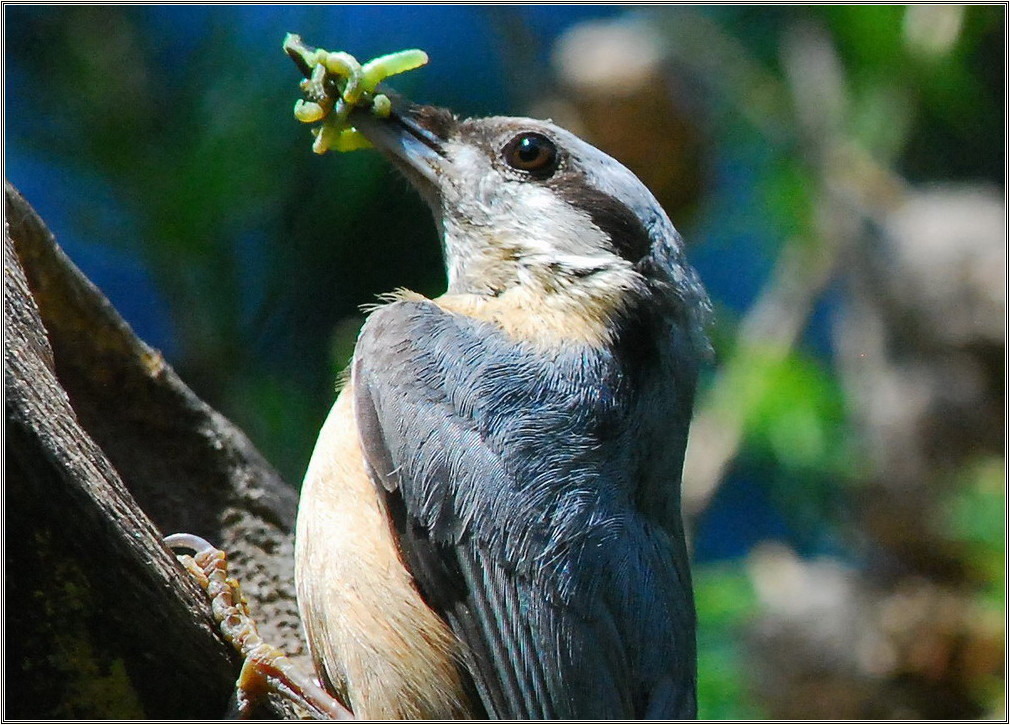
(107, 452)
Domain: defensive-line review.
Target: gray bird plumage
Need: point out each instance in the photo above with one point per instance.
(513, 479)
(527, 430)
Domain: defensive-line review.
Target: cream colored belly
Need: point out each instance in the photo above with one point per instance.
(370, 633)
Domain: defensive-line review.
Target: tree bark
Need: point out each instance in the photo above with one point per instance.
(107, 452)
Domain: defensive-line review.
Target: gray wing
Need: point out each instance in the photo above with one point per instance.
(498, 542)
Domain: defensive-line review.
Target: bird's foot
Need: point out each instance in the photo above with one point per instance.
(265, 668)
(336, 82)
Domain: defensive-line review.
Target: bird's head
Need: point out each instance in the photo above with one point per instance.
(524, 206)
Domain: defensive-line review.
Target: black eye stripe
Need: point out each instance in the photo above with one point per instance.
(629, 236)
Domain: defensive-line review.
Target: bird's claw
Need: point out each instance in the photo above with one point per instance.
(335, 83)
(265, 668)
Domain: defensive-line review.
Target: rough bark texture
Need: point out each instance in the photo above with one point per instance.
(107, 452)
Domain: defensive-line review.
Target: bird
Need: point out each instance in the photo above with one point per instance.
(489, 525)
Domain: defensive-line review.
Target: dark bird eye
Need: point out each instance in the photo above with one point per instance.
(532, 152)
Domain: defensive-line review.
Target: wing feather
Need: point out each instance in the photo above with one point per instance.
(516, 557)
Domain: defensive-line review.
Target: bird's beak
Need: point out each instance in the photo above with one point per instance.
(413, 137)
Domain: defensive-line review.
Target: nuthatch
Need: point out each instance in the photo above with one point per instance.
(490, 520)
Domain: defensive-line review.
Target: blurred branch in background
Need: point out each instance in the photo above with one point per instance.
(846, 188)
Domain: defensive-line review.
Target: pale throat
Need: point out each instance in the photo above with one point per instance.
(544, 298)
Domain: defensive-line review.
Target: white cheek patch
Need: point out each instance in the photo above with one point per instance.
(476, 185)
(492, 219)
(549, 225)
(471, 163)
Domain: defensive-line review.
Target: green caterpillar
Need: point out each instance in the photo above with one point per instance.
(335, 83)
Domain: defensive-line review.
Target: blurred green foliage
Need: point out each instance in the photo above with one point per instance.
(795, 412)
(725, 600)
(974, 516)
